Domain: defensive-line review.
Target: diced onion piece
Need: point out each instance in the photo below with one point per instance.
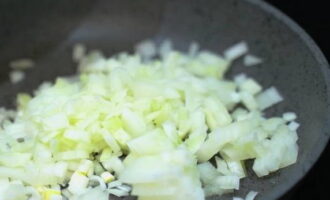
(216, 113)
(165, 48)
(22, 64)
(92, 193)
(193, 49)
(250, 86)
(50, 193)
(56, 121)
(237, 198)
(240, 114)
(13, 191)
(114, 164)
(268, 98)
(293, 126)
(60, 170)
(146, 49)
(78, 183)
(16, 76)
(251, 195)
(99, 180)
(272, 124)
(198, 131)
(125, 188)
(207, 172)
(133, 122)
(228, 182)
(114, 184)
(240, 78)
(150, 143)
(107, 177)
(79, 52)
(76, 135)
(249, 101)
(112, 143)
(222, 166)
(118, 192)
(289, 116)
(32, 192)
(236, 51)
(251, 60)
(236, 168)
(214, 190)
(221, 136)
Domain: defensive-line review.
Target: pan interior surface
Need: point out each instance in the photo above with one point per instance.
(46, 31)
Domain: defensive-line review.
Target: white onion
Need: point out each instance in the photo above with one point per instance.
(193, 49)
(237, 198)
(165, 48)
(152, 123)
(99, 180)
(236, 51)
(79, 52)
(114, 184)
(268, 98)
(251, 60)
(16, 76)
(289, 116)
(251, 195)
(293, 126)
(22, 64)
(146, 49)
(240, 78)
(118, 192)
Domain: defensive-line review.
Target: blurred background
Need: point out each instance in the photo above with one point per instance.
(314, 17)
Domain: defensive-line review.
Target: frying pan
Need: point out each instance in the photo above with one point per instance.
(45, 31)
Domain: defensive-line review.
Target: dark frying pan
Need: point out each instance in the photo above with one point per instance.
(45, 30)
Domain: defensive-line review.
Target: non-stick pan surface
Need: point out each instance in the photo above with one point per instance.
(45, 30)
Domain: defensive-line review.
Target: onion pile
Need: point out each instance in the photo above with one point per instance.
(161, 128)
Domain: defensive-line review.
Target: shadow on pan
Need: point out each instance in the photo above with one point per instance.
(45, 30)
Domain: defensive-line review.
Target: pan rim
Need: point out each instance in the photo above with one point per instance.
(317, 53)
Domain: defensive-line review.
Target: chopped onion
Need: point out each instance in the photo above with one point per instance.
(107, 177)
(78, 183)
(146, 49)
(293, 126)
(125, 188)
(99, 180)
(237, 198)
(268, 98)
(22, 64)
(118, 192)
(240, 78)
(251, 60)
(251, 195)
(165, 48)
(250, 86)
(249, 101)
(228, 182)
(236, 51)
(289, 116)
(143, 125)
(16, 76)
(193, 49)
(115, 184)
(79, 52)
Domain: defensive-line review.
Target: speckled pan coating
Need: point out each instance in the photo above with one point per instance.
(45, 30)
